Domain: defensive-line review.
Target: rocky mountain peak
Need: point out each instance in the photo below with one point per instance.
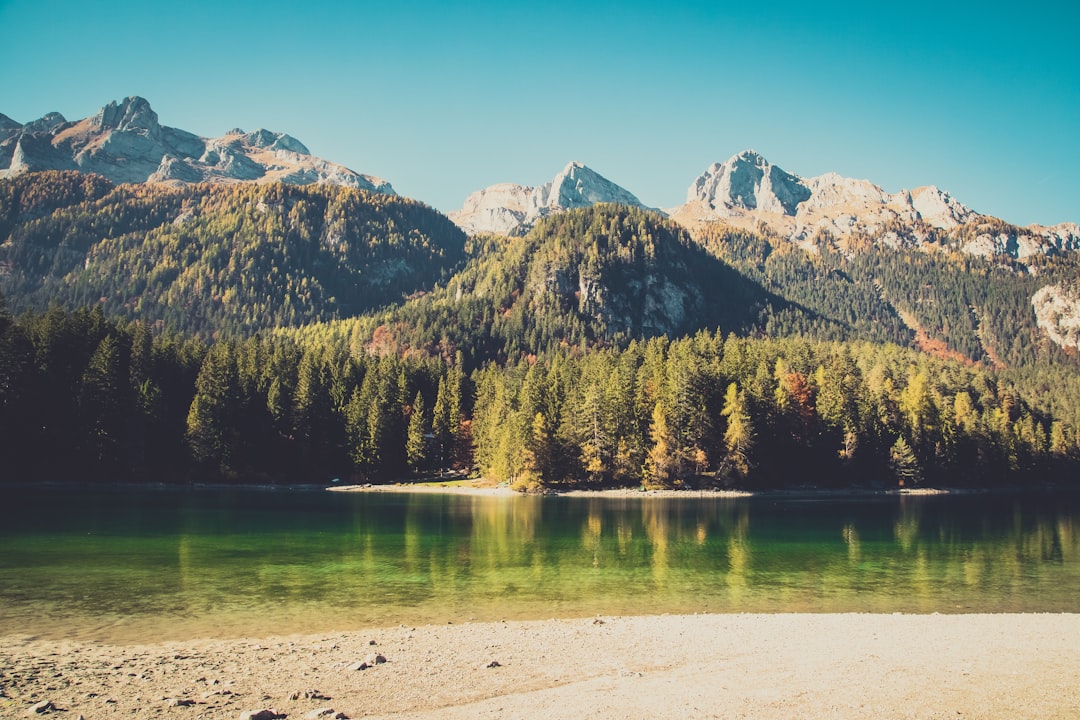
(274, 141)
(939, 208)
(125, 142)
(747, 191)
(45, 123)
(747, 181)
(751, 156)
(509, 209)
(580, 186)
(132, 114)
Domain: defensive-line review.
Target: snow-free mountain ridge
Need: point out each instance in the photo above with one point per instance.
(509, 209)
(125, 143)
(748, 192)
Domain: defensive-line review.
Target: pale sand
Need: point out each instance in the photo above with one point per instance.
(706, 666)
(491, 489)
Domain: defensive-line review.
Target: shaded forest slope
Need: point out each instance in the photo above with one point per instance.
(216, 260)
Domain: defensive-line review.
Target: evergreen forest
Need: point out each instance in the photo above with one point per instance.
(283, 334)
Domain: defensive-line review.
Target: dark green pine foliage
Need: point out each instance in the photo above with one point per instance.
(102, 402)
(837, 304)
(607, 347)
(208, 421)
(417, 441)
(86, 398)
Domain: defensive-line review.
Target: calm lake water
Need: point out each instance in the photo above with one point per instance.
(133, 565)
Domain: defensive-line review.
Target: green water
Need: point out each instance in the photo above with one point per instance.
(134, 565)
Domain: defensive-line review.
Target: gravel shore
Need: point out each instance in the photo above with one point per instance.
(700, 666)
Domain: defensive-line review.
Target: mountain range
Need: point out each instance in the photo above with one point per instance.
(249, 233)
(125, 143)
(748, 192)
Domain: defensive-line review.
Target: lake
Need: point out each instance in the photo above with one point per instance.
(132, 565)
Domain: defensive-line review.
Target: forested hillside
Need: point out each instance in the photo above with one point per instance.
(710, 411)
(584, 279)
(943, 301)
(290, 334)
(216, 260)
(85, 398)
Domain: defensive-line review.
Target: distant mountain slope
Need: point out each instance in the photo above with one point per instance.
(748, 192)
(599, 276)
(508, 209)
(216, 259)
(125, 143)
(994, 311)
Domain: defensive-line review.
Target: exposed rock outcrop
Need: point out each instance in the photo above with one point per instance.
(1057, 312)
(125, 142)
(509, 209)
(749, 192)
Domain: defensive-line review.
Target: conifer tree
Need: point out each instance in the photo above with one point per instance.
(101, 404)
(416, 441)
(208, 420)
(661, 463)
(904, 464)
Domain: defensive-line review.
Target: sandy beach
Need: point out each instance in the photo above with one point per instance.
(487, 488)
(701, 666)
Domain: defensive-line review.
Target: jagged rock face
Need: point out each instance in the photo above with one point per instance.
(746, 191)
(578, 186)
(1057, 312)
(502, 209)
(509, 209)
(133, 115)
(125, 143)
(939, 209)
(748, 182)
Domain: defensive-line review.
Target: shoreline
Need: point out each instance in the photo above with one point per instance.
(485, 488)
(665, 666)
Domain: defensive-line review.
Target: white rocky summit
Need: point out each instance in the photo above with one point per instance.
(509, 209)
(125, 143)
(748, 192)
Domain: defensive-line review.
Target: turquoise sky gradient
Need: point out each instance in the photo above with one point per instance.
(981, 99)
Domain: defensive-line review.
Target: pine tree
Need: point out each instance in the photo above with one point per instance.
(416, 441)
(904, 464)
(101, 404)
(208, 422)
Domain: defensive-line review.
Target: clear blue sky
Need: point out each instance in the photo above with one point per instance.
(440, 98)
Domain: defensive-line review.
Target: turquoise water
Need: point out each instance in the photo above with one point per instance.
(149, 564)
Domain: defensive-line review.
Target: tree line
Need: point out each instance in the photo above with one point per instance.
(85, 397)
(709, 410)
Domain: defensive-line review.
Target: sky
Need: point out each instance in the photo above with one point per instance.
(444, 98)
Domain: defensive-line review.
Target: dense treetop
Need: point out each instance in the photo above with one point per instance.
(288, 334)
